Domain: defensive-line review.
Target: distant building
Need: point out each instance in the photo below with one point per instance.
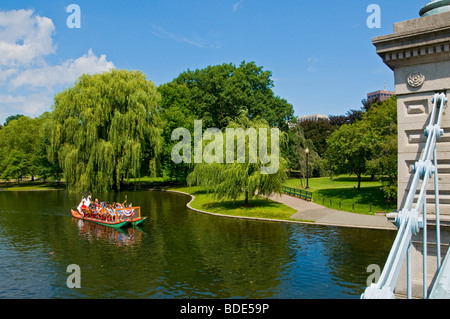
(314, 118)
(381, 96)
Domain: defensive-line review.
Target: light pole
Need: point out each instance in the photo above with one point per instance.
(307, 174)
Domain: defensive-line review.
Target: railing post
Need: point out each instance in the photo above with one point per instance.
(408, 219)
(425, 250)
(438, 218)
(408, 273)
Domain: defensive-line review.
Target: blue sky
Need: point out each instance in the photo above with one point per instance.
(320, 52)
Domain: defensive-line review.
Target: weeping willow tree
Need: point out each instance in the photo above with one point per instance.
(249, 164)
(104, 127)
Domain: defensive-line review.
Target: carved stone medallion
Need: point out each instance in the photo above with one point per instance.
(416, 80)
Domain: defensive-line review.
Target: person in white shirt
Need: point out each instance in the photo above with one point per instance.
(81, 206)
(88, 201)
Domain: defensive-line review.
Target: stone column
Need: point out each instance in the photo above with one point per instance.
(419, 54)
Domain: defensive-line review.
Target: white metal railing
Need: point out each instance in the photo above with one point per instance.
(414, 216)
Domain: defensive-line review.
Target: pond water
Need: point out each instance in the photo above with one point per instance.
(177, 253)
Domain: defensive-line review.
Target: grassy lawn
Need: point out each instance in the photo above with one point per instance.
(257, 208)
(28, 185)
(147, 179)
(341, 193)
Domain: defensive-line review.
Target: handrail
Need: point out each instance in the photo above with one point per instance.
(298, 192)
(409, 219)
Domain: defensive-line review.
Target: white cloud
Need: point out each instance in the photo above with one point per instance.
(24, 37)
(4, 74)
(164, 34)
(66, 73)
(312, 61)
(237, 5)
(27, 81)
(193, 40)
(33, 105)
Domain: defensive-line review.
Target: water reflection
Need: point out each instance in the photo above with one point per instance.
(176, 253)
(118, 237)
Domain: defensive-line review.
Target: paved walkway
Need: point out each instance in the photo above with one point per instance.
(321, 215)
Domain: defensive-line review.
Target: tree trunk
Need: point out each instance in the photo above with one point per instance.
(359, 181)
(246, 198)
(115, 188)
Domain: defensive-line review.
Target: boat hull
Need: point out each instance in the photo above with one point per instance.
(138, 221)
(116, 225)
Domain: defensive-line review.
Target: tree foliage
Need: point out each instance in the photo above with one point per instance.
(103, 127)
(112, 126)
(18, 140)
(382, 120)
(14, 165)
(368, 145)
(349, 150)
(175, 113)
(317, 132)
(295, 152)
(41, 154)
(232, 180)
(11, 118)
(218, 94)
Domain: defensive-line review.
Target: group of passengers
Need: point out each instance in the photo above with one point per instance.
(102, 210)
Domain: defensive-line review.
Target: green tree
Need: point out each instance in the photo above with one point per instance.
(18, 140)
(382, 123)
(41, 154)
(294, 151)
(12, 118)
(219, 94)
(175, 113)
(318, 132)
(231, 180)
(103, 128)
(368, 145)
(14, 165)
(349, 150)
